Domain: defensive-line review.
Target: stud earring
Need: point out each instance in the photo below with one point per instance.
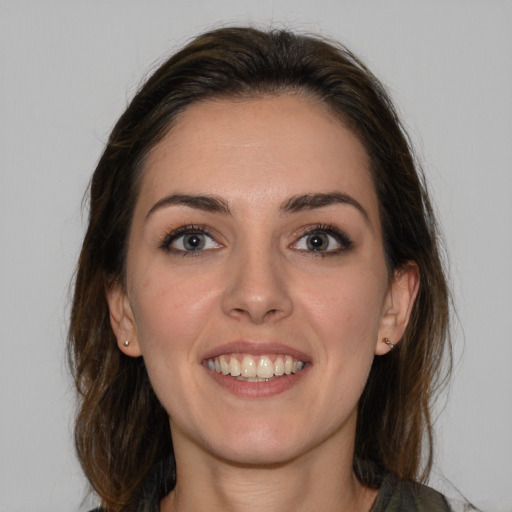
(387, 341)
(126, 343)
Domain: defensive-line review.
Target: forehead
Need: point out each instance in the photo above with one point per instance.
(258, 149)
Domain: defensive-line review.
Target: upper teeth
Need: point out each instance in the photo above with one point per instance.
(249, 367)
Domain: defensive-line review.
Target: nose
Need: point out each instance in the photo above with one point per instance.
(257, 287)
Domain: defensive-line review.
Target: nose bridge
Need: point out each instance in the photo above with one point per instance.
(257, 287)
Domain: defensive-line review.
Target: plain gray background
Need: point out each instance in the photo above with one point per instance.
(67, 71)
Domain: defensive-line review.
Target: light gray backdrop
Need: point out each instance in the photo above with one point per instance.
(67, 71)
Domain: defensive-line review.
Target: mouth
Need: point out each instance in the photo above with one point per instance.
(250, 370)
(255, 368)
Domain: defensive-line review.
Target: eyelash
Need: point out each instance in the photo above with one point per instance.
(325, 229)
(321, 229)
(191, 229)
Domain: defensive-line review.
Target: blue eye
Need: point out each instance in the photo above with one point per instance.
(191, 240)
(326, 239)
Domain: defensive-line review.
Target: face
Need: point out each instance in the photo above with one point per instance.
(257, 289)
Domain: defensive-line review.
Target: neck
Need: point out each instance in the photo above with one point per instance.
(322, 479)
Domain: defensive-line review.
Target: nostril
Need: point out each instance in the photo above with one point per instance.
(255, 299)
(255, 316)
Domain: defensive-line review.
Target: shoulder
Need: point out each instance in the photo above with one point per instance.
(404, 496)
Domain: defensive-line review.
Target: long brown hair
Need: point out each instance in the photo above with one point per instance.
(121, 429)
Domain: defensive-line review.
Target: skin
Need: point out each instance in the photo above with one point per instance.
(257, 280)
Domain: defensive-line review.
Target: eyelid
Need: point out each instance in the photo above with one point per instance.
(175, 234)
(339, 235)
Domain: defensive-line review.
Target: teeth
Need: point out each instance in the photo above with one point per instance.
(256, 379)
(255, 369)
(297, 366)
(224, 366)
(288, 365)
(279, 366)
(248, 367)
(265, 368)
(234, 367)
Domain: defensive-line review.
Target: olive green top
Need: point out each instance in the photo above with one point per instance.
(402, 496)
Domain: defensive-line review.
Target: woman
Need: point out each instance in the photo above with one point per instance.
(260, 312)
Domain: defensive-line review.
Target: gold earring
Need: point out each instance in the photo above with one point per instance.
(387, 341)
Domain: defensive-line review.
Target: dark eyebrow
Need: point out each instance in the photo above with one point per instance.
(312, 201)
(215, 204)
(205, 203)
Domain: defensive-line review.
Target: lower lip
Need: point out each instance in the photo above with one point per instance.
(257, 389)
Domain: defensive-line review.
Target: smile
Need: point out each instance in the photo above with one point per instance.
(249, 368)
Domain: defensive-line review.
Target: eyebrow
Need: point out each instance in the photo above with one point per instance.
(295, 204)
(305, 202)
(206, 203)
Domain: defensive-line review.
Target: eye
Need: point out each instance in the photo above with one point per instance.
(189, 240)
(323, 239)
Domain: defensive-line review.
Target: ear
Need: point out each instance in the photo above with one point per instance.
(398, 306)
(122, 321)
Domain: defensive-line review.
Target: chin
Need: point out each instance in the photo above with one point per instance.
(261, 455)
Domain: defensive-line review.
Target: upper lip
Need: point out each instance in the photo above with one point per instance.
(255, 349)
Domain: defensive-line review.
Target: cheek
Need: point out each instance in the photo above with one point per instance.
(169, 317)
(346, 308)
(168, 310)
(345, 317)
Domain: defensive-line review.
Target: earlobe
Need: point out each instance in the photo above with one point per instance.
(122, 320)
(397, 307)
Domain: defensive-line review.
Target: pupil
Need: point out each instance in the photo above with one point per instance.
(194, 242)
(316, 242)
